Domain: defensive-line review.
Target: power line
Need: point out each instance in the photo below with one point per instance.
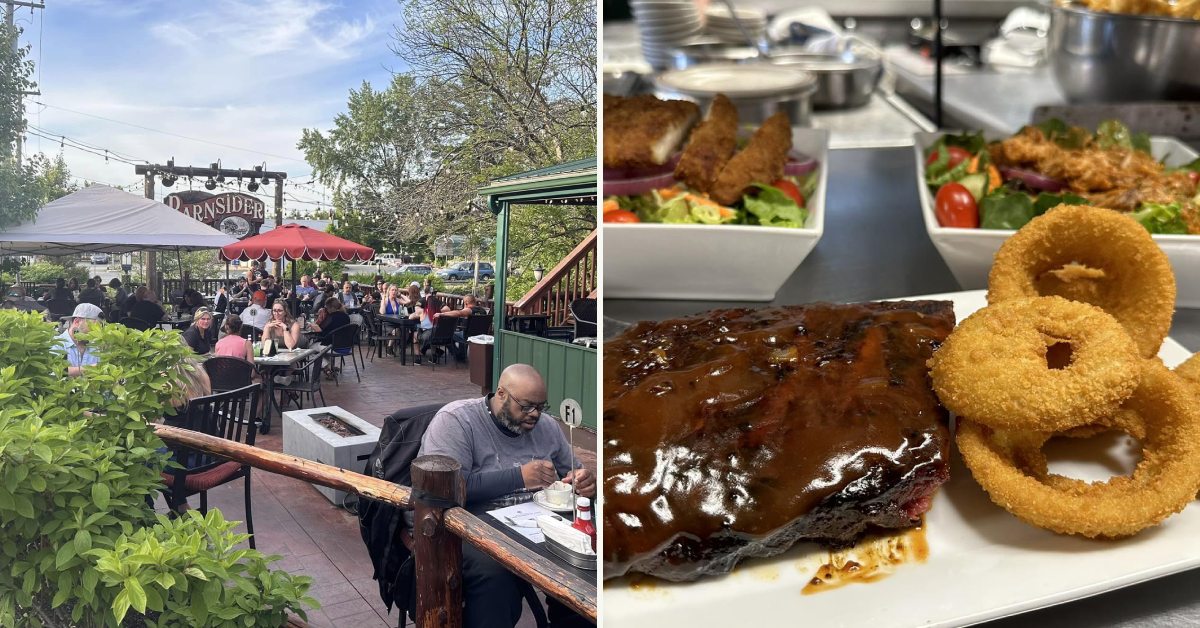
(153, 130)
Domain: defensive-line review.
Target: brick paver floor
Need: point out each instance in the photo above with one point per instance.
(321, 540)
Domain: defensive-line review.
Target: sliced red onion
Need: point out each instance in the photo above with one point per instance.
(799, 165)
(642, 185)
(1032, 179)
(635, 173)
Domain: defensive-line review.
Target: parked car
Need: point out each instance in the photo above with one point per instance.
(416, 269)
(99, 258)
(466, 270)
(389, 259)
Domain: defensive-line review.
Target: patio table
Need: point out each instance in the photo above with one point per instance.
(267, 366)
(575, 579)
(406, 326)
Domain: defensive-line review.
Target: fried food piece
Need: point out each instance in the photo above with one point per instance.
(1162, 414)
(644, 131)
(710, 146)
(1086, 170)
(1190, 371)
(995, 366)
(761, 161)
(1137, 286)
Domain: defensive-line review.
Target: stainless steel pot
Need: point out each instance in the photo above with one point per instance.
(1106, 57)
(843, 81)
(756, 90)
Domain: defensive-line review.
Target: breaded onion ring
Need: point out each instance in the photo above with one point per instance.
(1094, 255)
(1161, 413)
(994, 369)
(1190, 371)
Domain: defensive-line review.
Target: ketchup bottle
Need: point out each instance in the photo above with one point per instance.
(583, 519)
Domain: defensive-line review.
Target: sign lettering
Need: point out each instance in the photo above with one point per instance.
(234, 213)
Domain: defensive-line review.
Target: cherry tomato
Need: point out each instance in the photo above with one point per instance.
(622, 215)
(791, 190)
(955, 207)
(957, 154)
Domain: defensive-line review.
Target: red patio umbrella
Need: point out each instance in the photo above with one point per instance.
(296, 242)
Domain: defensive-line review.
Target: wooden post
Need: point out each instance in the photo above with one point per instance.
(438, 484)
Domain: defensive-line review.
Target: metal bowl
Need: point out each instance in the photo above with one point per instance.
(756, 90)
(843, 81)
(1106, 57)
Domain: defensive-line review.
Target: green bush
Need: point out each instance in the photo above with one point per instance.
(79, 461)
(47, 272)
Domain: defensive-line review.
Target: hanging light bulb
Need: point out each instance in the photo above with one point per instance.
(252, 185)
(220, 176)
(168, 180)
(210, 184)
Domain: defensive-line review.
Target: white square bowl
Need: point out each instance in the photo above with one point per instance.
(714, 262)
(969, 252)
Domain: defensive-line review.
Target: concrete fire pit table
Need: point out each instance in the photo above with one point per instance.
(345, 445)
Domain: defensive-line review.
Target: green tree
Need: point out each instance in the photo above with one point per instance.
(19, 196)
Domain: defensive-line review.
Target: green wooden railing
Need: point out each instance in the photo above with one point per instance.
(570, 370)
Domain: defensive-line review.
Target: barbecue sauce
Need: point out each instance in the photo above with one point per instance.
(724, 431)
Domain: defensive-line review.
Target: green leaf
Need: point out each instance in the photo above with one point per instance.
(1005, 209)
(1047, 201)
(1161, 218)
(1113, 134)
(121, 605)
(137, 596)
(195, 573)
(100, 496)
(772, 207)
(23, 506)
(64, 555)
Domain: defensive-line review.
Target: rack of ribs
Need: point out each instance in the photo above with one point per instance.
(737, 433)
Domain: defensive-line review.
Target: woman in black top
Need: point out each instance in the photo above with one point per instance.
(335, 318)
(201, 335)
(147, 309)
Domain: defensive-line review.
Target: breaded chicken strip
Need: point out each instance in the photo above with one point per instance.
(761, 161)
(643, 131)
(710, 146)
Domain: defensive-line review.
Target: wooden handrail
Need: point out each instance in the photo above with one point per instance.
(573, 278)
(525, 563)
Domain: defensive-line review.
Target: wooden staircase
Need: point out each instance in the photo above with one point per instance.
(573, 278)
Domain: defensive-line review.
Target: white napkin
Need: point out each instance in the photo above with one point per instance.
(563, 534)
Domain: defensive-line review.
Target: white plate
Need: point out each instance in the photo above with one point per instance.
(539, 498)
(969, 252)
(735, 81)
(983, 564)
(722, 262)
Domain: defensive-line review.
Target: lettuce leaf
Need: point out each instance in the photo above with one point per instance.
(1161, 218)
(771, 207)
(1005, 209)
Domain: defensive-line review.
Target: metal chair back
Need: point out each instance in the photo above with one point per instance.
(228, 373)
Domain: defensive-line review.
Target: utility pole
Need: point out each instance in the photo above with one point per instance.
(151, 256)
(10, 22)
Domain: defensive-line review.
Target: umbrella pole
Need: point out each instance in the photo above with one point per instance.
(293, 302)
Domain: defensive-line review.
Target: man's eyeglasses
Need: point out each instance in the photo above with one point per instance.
(528, 407)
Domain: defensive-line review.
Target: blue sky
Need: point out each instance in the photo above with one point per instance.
(239, 79)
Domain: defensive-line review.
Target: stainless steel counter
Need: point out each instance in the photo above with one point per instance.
(875, 247)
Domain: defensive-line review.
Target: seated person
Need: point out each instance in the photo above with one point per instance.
(505, 450)
(201, 335)
(91, 294)
(335, 318)
(282, 329)
(424, 316)
(233, 345)
(242, 290)
(221, 300)
(192, 301)
(470, 306)
(258, 314)
(72, 347)
(347, 296)
(59, 293)
(119, 293)
(147, 309)
(306, 291)
(269, 286)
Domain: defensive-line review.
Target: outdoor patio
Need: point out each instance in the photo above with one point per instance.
(317, 539)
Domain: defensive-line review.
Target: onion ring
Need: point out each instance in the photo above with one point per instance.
(1136, 284)
(1161, 413)
(994, 368)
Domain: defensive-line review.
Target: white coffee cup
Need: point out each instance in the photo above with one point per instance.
(558, 494)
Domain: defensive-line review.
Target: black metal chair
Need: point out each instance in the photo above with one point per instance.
(134, 323)
(530, 324)
(341, 345)
(228, 373)
(307, 381)
(584, 313)
(441, 338)
(232, 415)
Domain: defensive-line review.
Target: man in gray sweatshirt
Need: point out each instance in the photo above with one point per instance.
(504, 448)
